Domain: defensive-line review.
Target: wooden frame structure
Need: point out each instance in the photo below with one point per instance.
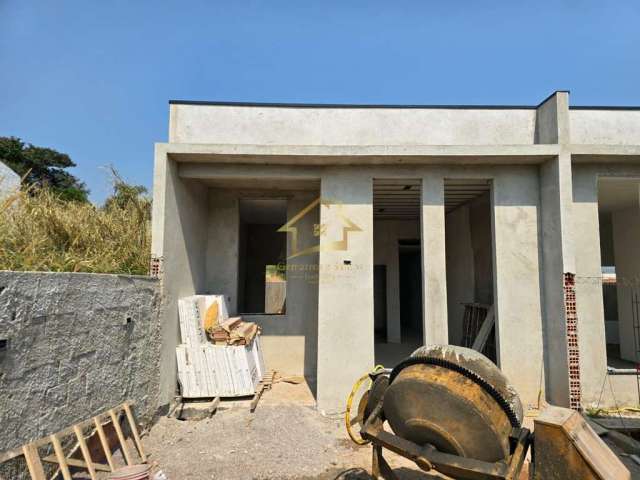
(64, 462)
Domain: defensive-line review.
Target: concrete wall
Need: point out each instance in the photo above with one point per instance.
(223, 247)
(386, 234)
(289, 341)
(9, 180)
(608, 127)
(78, 344)
(180, 215)
(460, 269)
(482, 244)
(349, 126)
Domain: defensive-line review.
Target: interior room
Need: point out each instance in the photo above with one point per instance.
(619, 219)
(263, 256)
(397, 269)
(469, 257)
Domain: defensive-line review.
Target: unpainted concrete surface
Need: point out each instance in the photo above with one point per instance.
(76, 345)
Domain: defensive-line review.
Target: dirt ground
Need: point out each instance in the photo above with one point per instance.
(285, 438)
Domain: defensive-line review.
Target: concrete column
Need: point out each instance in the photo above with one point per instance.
(591, 338)
(345, 290)
(558, 259)
(626, 247)
(557, 241)
(434, 263)
(518, 302)
(179, 230)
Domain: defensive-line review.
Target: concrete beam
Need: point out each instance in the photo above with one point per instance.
(306, 155)
(434, 262)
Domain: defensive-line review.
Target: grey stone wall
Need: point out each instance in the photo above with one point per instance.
(73, 345)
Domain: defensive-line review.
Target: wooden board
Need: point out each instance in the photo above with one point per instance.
(65, 461)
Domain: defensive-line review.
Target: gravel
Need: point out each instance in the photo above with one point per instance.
(275, 442)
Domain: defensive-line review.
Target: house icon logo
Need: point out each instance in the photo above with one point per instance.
(319, 230)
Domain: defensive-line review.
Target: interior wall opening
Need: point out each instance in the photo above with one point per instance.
(469, 265)
(262, 285)
(397, 254)
(619, 223)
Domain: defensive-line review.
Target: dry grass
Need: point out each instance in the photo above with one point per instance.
(40, 232)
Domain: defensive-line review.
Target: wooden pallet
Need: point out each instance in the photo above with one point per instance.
(97, 425)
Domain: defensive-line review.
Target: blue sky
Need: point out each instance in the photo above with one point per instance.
(93, 78)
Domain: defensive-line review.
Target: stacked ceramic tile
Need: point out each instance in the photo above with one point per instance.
(208, 370)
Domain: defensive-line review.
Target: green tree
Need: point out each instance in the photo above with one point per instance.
(43, 167)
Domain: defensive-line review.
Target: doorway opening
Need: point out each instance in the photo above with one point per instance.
(470, 263)
(619, 222)
(397, 255)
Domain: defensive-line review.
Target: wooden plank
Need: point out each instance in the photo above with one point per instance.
(16, 452)
(265, 384)
(85, 452)
(134, 431)
(32, 457)
(105, 444)
(76, 462)
(60, 457)
(485, 330)
(121, 439)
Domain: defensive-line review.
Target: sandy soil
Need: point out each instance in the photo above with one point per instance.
(285, 438)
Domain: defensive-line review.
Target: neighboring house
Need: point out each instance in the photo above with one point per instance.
(422, 209)
(9, 181)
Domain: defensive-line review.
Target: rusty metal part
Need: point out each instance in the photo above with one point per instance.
(481, 366)
(450, 410)
(376, 393)
(427, 457)
(432, 400)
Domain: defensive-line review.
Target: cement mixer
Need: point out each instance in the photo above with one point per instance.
(450, 409)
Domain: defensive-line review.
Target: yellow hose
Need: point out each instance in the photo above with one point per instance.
(347, 414)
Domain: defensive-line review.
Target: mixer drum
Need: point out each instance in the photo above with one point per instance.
(455, 399)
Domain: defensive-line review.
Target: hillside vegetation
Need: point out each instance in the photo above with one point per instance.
(42, 231)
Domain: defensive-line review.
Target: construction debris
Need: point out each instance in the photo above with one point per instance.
(231, 364)
(266, 384)
(233, 331)
(197, 410)
(105, 422)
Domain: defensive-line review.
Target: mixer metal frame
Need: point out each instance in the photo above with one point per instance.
(429, 458)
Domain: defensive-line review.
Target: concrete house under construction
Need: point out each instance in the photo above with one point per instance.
(353, 233)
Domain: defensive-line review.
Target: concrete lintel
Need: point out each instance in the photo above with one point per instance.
(605, 153)
(358, 154)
